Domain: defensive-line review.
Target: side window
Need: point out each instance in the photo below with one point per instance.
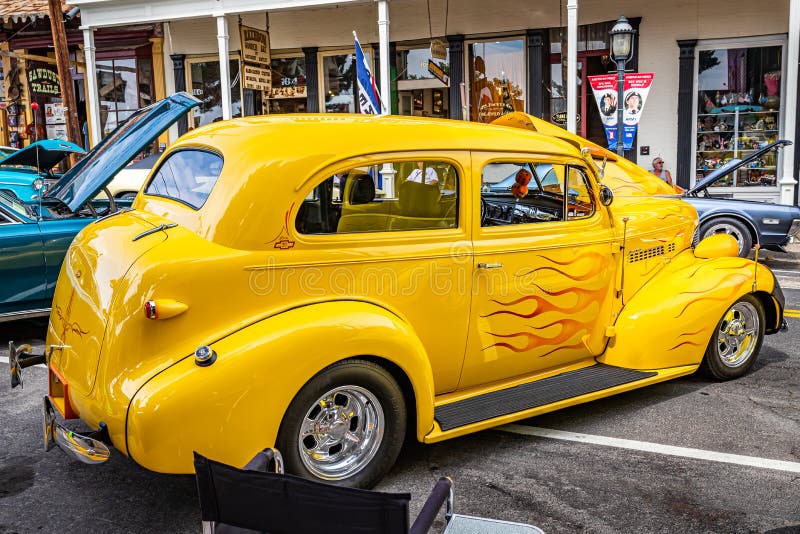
(580, 203)
(187, 176)
(354, 201)
(522, 193)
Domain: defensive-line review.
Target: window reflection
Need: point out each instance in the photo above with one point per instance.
(205, 85)
(497, 71)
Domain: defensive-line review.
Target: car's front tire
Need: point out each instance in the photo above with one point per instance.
(732, 227)
(346, 426)
(736, 341)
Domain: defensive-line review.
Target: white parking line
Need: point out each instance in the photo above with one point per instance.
(697, 454)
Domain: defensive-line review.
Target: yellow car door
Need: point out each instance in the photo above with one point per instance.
(544, 268)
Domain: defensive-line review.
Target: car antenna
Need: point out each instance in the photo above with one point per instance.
(621, 292)
(755, 267)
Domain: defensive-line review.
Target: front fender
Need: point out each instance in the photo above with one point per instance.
(233, 408)
(670, 321)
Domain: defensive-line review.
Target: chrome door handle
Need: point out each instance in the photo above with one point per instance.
(482, 265)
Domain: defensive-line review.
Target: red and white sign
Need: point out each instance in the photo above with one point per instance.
(636, 87)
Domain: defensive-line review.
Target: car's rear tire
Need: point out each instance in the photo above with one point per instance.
(346, 426)
(733, 227)
(736, 341)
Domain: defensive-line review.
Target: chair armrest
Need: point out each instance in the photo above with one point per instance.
(266, 461)
(442, 492)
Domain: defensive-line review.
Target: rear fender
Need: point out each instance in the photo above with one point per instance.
(670, 321)
(233, 408)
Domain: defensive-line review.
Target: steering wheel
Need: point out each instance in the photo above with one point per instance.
(484, 209)
(112, 205)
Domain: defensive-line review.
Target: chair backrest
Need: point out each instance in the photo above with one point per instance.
(285, 504)
(419, 200)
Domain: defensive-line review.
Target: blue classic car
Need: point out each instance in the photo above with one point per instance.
(770, 225)
(35, 232)
(25, 172)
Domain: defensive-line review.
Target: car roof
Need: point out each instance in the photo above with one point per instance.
(274, 158)
(349, 135)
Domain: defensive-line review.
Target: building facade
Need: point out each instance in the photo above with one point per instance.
(725, 73)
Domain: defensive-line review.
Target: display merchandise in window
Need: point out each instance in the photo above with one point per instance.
(288, 94)
(739, 105)
(497, 71)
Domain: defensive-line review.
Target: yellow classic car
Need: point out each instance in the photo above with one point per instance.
(330, 284)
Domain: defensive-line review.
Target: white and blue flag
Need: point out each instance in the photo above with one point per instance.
(369, 101)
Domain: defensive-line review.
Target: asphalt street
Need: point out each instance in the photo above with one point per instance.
(592, 485)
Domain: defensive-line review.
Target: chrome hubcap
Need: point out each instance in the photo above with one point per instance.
(727, 229)
(737, 334)
(341, 433)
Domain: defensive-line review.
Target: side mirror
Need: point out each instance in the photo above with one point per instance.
(606, 195)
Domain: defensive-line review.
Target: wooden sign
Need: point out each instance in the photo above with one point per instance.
(255, 45)
(560, 118)
(256, 78)
(439, 49)
(438, 72)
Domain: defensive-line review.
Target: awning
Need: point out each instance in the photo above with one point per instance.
(26, 10)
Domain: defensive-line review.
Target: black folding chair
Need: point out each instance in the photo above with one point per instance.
(260, 498)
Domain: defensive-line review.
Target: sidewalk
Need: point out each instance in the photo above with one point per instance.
(789, 260)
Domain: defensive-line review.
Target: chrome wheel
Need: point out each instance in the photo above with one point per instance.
(732, 227)
(341, 433)
(737, 334)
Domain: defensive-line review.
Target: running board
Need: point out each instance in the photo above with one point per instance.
(534, 394)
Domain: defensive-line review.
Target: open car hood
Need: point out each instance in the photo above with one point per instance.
(734, 165)
(90, 175)
(42, 155)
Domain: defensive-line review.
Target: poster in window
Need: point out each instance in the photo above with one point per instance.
(54, 113)
(57, 131)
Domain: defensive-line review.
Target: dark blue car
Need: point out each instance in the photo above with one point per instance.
(770, 225)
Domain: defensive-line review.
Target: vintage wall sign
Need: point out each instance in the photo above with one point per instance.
(44, 81)
(560, 118)
(438, 72)
(256, 78)
(255, 46)
(439, 49)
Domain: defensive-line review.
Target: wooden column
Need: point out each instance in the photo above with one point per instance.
(685, 112)
(64, 74)
(3, 115)
(457, 77)
(536, 71)
(312, 79)
(159, 84)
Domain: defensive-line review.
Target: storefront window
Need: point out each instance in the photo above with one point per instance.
(340, 78)
(124, 86)
(739, 103)
(205, 83)
(413, 64)
(288, 93)
(497, 74)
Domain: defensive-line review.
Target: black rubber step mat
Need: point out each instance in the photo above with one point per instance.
(525, 396)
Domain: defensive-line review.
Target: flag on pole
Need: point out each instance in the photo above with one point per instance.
(369, 101)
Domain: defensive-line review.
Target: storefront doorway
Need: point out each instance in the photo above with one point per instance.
(590, 63)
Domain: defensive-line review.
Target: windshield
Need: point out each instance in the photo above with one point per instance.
(14, 206)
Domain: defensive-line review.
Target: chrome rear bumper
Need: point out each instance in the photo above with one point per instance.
(88, 449)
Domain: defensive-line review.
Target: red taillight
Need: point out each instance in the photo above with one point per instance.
(163, 308)
(150, 309)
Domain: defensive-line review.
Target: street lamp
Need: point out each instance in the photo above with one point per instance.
(621, 52)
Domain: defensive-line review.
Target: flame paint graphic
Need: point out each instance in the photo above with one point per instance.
(734, 289)
(565, 318)
(692, 343)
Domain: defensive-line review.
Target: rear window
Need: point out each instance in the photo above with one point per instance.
(187, 176)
